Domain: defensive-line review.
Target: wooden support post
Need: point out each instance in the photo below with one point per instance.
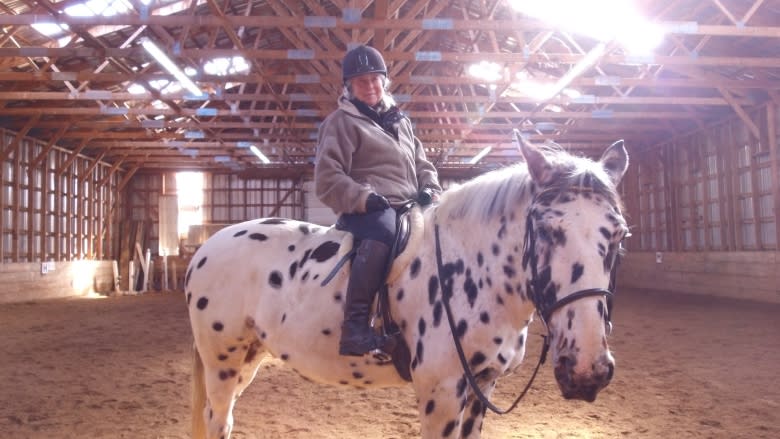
(16, 203)
(145, 264)
(772, 128)
(31, 214)
(115, 272)
(753, 144)
(57, 215)
(705, 189)
(670, 197)
(3, 200)
(165, 273)
(174, 275)
(131, 277)
(147, 269)
(139, 255)
(732, 157)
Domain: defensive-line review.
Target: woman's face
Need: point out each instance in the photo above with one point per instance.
(368, 88)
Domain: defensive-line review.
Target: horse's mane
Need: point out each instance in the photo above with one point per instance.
(499, 192)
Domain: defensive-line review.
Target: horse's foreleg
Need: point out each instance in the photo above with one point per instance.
(474, 414)
(441, 408)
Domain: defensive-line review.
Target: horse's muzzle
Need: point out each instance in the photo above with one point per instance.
(585, 386)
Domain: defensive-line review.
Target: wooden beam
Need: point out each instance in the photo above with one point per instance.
(92, 166)
(104, 181)
(72, 157)
(413, 113)
(410, 56)
(725, 11)
(126, 179)
(367, 24)
(401, 79)
(16, 143)
(741, 113)
(49, 145)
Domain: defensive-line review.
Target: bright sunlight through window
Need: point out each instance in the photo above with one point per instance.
(604, 20)
(487, 71)
(189, 189)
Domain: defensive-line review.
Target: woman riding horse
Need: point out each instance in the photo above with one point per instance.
(369, 162)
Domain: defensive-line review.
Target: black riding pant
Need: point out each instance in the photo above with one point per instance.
(376, 226)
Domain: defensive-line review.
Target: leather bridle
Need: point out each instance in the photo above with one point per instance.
(544, 314)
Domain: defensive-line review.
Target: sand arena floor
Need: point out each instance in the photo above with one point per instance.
(687, 367)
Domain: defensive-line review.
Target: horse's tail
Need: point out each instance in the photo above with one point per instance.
(198, 396)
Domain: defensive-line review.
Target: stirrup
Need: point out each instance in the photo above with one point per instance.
(381, 356)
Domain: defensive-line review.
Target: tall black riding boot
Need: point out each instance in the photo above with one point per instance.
(357, 337)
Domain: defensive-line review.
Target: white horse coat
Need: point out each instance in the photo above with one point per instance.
(254, 289)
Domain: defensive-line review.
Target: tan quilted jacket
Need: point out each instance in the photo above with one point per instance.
(355, 157)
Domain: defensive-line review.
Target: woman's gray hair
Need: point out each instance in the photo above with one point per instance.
(388, 99)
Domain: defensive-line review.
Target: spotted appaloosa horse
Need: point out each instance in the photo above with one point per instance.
(512, 241)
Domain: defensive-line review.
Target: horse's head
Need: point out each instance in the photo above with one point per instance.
(573, 232)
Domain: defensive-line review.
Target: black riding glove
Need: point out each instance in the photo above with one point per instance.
(376, 202)
(425, 196)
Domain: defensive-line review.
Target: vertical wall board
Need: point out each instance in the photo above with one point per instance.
(314, 210)
(48, 202)
(230, 199)
(773, 141)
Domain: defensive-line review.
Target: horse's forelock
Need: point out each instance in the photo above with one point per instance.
(577, 174)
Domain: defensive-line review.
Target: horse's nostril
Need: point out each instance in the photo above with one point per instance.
(610, 371)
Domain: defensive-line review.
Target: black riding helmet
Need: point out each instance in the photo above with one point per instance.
(362, 60)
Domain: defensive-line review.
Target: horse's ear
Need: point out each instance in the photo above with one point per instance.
(539, 167)
(615, 161)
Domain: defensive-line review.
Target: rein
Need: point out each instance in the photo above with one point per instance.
(462, 356)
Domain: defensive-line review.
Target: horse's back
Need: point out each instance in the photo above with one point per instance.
(263, 279)
(239, 263)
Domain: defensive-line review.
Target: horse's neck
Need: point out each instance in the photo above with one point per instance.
(469, 236)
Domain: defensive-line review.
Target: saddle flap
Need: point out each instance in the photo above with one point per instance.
(408, 241)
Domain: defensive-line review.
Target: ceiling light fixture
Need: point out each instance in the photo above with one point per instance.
(259, 154)
(474, 160)
(166, 62)
(487, 71)
(584, 64)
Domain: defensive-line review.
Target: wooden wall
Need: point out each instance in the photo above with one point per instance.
(708, 202)
(55, 204)
(24, 281)
(741, 275)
